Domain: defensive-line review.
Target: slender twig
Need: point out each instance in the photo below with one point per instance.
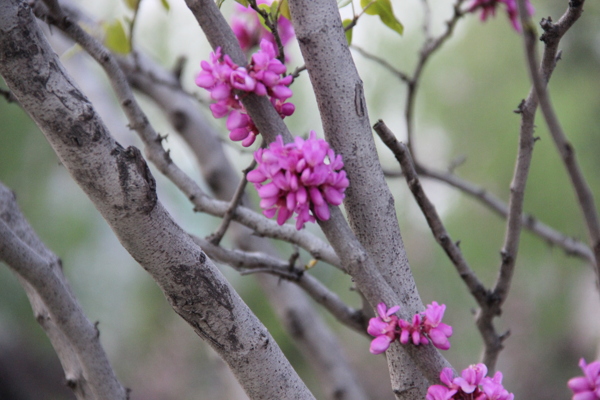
(132, 23)
(570, 245)
(429, 47)
(402, 154)
(216, 237)
(399, 74)
(551, 37)
(271, 23)
(249, 263)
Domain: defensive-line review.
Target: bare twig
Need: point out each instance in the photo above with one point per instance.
(570, 245)
(399, 74)
(440, 234)
(551, 37)
(271, 23)
(248, 263)
(216, 237)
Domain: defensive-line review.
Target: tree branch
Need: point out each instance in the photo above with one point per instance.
(74, 338)
(551, 37)
(120, 185)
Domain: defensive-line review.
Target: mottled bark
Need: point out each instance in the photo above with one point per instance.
(120, 185)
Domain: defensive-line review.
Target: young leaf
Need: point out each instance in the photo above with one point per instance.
(343, 3)
(285, 9)
(115, 37)
(243, 2)
(273, 10)
(132, 4)
(266, 8)
(220, 3)
(383, 8)
(348, 32)
(165, 5)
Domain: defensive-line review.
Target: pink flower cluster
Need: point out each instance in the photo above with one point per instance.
(303, 177)
(488, 8)
(472, 384)
(250, 32)
(222, 78)
(424, 327)
(586, 387)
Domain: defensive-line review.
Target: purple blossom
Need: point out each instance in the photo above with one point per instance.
(225, 80)
(472, 384)
(249, 31)
(437, 331)
(304, 177)
(384, 328)
(586, 387)
(427, 326)
(488, 8)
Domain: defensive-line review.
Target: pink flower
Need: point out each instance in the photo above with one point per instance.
(249, 31)
(493, 389)
(439, 392)
(383, 327)
(304, 177)
(472, 384)
(488, 8)
(225, 80)
(437, 331)
(427, 326)
(471, 378)
(586, 387)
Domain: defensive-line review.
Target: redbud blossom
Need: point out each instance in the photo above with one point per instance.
(472, 384)
(423, 328)
(586, 387)
(488, 8)
(303, 177)
(225, 80)
(383, 327)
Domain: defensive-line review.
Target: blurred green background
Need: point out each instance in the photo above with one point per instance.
(464, 110)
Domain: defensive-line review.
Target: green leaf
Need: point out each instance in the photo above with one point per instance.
(343, 3)
(243, 2)
(273, 10)
(348, 33)
(219, 3)
(115, 37)
(383, 8)
(132, 4)
(165, 5)
(285, 9)
(267, 9)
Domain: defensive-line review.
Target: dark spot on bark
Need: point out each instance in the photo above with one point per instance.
(77, 135)
(132, 158)
(296, 328)
(179, 121)
(71, 383)
(202, 299)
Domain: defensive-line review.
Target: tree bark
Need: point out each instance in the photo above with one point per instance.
(120, 185)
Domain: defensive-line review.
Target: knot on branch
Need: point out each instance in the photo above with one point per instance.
(551, 31)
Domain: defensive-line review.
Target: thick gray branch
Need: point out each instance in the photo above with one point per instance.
(119, 183)
(310, 332)
(74, 338)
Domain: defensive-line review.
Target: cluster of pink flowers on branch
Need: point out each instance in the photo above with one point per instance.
(488, 8)
(472, 384)
(303, 177)
(586, 387)
(250, 32)
(424, 328)
(225, 80)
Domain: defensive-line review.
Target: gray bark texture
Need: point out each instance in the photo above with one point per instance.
(369, 203)
(119, 183)
(315, 340)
